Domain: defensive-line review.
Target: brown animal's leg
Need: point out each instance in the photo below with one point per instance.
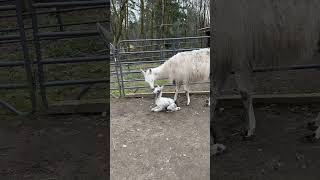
(243, 79)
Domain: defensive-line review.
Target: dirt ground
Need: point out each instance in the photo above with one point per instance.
(65, 147)
(276, 152)
(147, 145)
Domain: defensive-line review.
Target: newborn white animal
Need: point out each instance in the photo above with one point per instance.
(163, 103)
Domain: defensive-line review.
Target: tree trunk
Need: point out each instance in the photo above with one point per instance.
(142, 18)
(152, 19)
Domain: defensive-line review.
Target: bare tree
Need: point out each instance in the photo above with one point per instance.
(119, 15)
(142, 15)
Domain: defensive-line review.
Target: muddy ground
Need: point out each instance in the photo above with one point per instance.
(277, 151)
(64, 147)
(147, 145)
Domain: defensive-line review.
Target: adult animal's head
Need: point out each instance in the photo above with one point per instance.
(149, 77)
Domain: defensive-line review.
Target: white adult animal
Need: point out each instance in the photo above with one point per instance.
(163, 103)
(265, 32)
(182, 69)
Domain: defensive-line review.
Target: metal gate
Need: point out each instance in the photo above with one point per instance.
(33, 42)
(132, 55)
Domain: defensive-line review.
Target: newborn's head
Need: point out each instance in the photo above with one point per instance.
(157, 89)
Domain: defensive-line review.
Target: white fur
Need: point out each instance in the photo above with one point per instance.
(163, 102)
(182, 69)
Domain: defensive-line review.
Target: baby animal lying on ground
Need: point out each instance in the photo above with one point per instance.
(163, 103)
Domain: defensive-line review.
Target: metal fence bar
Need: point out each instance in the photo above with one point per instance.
(9, 37)
(11, 108)
(157, 51)
(72, 4)
(12, 63)
(13, 86)
(53, 26)
(53, 11)
(74, 82)
(74, 60)
(7, 7)
(117, 65)
(26, 56)
(163, 39)
(40, 71)
(59, 20)
(62, 35)
(121, 75)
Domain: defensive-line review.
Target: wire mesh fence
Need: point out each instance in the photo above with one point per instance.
(129, 56)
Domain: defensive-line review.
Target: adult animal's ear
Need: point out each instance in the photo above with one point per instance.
(142, 72)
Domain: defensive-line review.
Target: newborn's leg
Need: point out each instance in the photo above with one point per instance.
(157, 109)
(173, 107)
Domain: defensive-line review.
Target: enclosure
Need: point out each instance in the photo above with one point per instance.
(155, 145)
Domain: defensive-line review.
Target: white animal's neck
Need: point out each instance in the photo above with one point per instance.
(158, 96)
(160, 72)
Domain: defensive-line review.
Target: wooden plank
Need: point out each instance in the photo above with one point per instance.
(261, 99)
(165, 94)
(300, 98)
(100, 105)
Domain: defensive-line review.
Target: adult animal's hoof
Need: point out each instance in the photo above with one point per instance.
(207, 103)
(217, 149)
(246, 136)
(310, 138)
(312, 126)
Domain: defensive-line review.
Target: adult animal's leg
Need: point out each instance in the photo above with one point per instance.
(243, 80)
(216, 85)
(178, 85)
(315, 127)
(187, 89)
